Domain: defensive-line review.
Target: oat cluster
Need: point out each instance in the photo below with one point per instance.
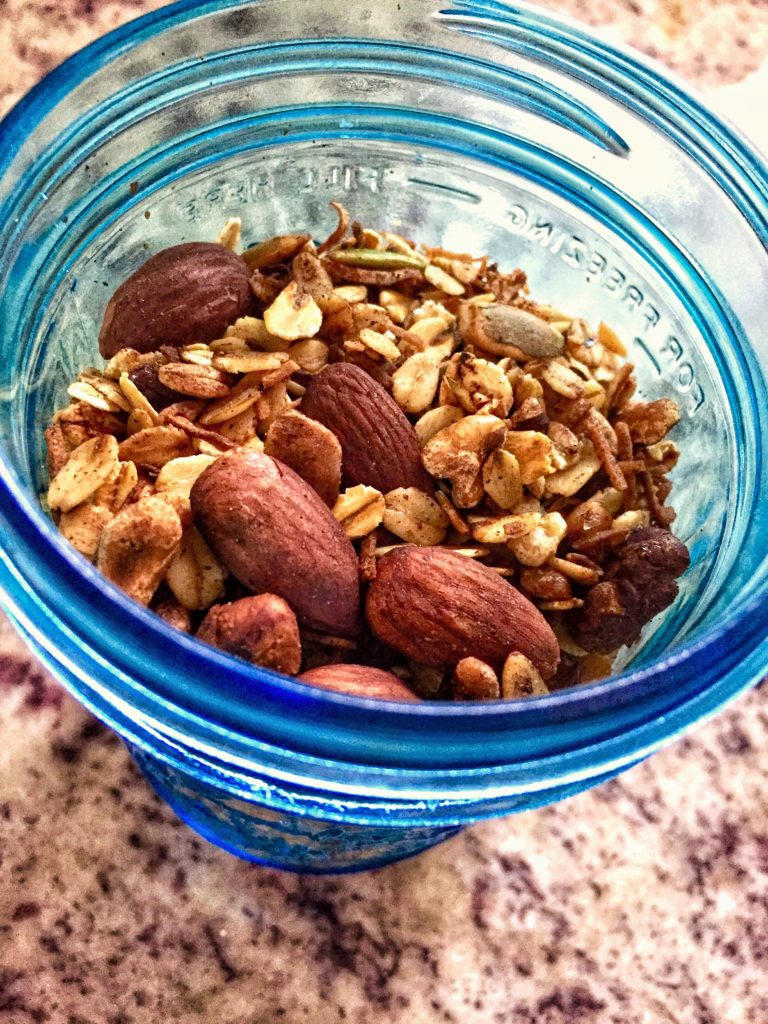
(527, 451)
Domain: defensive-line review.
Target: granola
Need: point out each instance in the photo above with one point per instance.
(536, 461)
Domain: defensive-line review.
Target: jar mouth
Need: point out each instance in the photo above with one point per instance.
(188, 709)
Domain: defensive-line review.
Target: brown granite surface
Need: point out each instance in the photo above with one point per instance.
(642, 902)
(709, 41)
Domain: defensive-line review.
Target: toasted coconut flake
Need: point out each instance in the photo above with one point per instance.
(339, 233)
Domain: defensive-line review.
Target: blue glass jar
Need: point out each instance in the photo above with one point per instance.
(482, 126)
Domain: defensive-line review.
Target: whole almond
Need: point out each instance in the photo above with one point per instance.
(359, 681)
(261, 629)
(184, 294)
(379, 446)
(438, 607)
(275, 534)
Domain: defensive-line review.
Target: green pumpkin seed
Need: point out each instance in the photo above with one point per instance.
(378, 259)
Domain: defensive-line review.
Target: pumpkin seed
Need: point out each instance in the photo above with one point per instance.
(378, 259)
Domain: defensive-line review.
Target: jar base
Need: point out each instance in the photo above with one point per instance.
(278, 839)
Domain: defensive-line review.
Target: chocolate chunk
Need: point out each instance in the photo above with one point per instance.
(640, 583)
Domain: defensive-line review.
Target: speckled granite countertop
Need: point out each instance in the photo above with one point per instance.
(642, 902)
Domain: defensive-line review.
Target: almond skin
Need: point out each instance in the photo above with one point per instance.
(359, 681)
(379, 446)
(438, 607)
(275, 535)
(260, 629)
(184, 294)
